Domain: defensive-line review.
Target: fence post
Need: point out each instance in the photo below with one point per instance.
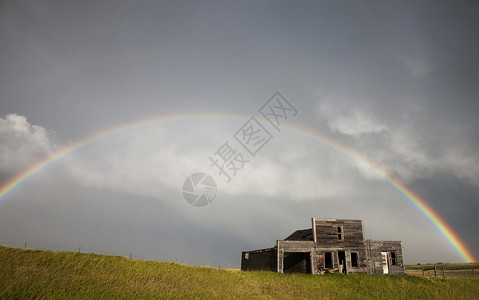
(422, 272)
(79, 249)
(443, 272)
(130, 255)
(25, 245)
(435, 270)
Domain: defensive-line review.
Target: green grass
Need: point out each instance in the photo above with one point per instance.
(446, 266)
(450, 270)
(48, 274)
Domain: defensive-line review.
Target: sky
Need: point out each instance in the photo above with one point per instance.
(155, 90)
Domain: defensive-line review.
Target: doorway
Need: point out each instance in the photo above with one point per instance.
(328, 260)
(297, 262)
(384, 258)
(342, 261)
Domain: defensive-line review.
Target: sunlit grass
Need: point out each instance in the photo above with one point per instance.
(48, 274)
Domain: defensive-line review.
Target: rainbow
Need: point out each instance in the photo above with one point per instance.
(413, 198)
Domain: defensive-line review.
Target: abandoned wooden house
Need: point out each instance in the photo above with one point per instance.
(330, 246)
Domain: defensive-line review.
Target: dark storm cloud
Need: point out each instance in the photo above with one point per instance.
(455, 200)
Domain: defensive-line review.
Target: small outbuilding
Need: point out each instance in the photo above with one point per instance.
(329, 246)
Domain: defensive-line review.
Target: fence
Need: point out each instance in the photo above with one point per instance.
(80, 249)
(449, 271)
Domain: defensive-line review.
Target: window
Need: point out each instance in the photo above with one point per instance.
(354, 259)
(246, 255)
(393, 258)
(340, 233)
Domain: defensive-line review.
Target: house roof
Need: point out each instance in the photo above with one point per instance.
(301, 235)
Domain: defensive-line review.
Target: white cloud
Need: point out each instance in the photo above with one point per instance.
(296, 181)
(21, 143)
(148, 162)
(355, 123)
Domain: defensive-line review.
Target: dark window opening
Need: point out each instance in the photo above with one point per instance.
(340, 233)
(328, 260)
(354, 260)
(393, 258)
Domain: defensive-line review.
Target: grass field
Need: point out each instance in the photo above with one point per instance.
(445, 270)
(48, 274)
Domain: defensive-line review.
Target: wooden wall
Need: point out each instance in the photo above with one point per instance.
(362, 267)
(326, 233)
(304, 249)
(259, 260)
(376, 263)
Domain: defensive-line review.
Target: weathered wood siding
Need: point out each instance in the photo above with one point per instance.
(362, 267)
(350, 241)
(376, 263)
(259, 260)
(288, 262)
(326, 233)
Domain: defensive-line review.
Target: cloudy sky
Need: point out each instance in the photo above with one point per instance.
(395, 82)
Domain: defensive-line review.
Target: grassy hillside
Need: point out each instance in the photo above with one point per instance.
(48, 274)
